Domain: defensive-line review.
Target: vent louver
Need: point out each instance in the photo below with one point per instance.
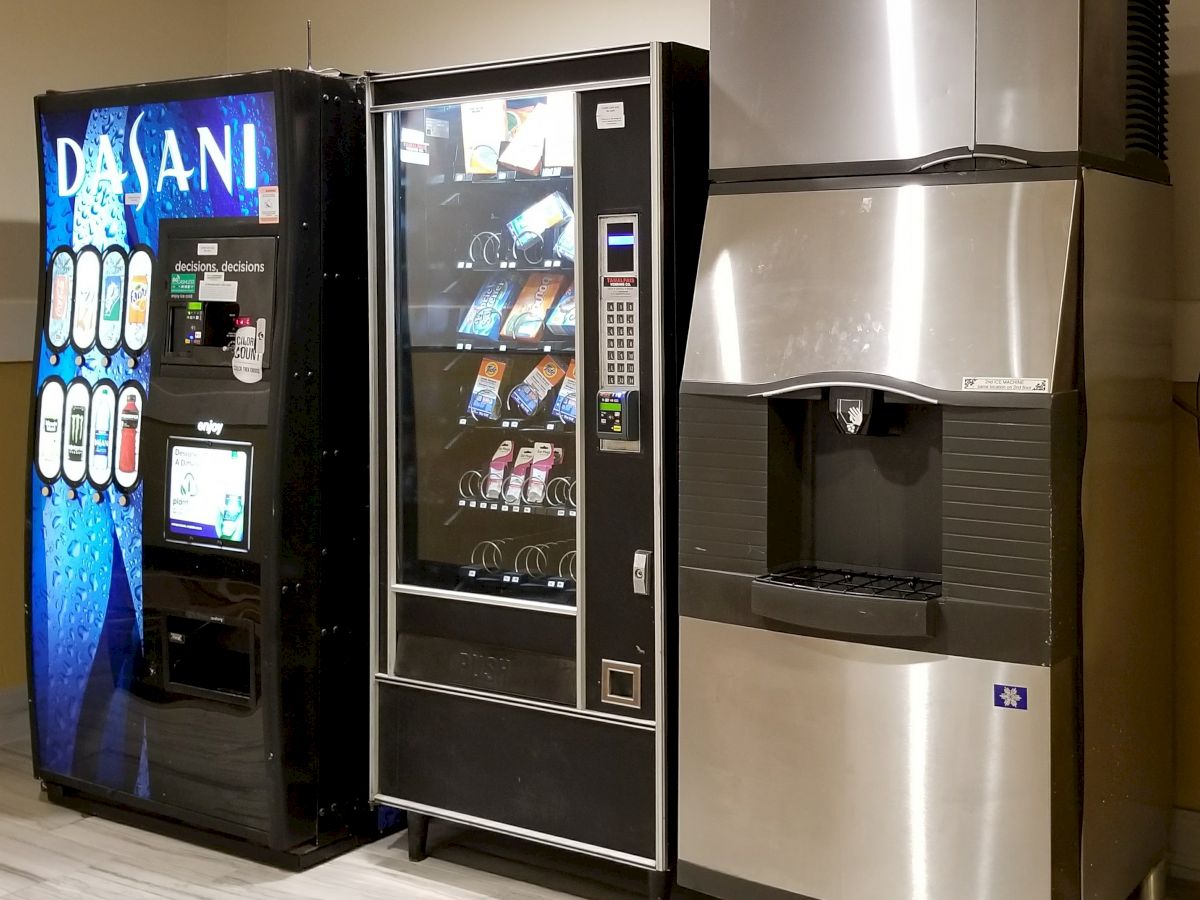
(1146, 78)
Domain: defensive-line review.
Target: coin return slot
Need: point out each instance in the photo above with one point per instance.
(620, 683)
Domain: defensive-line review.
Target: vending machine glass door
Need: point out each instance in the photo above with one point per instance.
(485, 390)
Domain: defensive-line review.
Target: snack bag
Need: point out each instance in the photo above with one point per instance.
(564, 247)
(561, 320)
(495, 478)
(485, 396)
(527, 139)
(566, 404)
(529, 394)
(531, 224)
(516, 478)
(528, 314)
(487, 310)
(483, 127)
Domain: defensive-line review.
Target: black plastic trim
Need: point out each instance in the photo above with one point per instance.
(879, 382)
(523, 76)
(849, 614)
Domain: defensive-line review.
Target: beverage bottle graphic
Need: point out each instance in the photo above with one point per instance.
(229, 520)
(62, 291)
(130, 420)
(103, 434)
(75, 434)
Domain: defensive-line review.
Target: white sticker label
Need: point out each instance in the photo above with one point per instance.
(610, 115)
(214, 276)
(437, 128)
(134, 199)
(206, 249)
(218, 291)
(249, 345)
(413, 148)
(1001, 385)
(268, 204)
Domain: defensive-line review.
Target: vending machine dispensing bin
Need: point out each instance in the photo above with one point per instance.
(926, 570)
(536, 230)
(197, 602)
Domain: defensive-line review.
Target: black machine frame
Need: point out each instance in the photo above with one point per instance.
(522, 765)
(303, 605)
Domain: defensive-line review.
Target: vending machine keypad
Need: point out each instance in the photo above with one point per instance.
(619, 343)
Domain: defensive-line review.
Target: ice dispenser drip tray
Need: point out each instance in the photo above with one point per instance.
(847, 602)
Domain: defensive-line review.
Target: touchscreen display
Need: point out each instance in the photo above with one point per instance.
(208, 487)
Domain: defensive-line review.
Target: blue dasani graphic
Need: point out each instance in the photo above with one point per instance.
(110, 176)
(1009, 696)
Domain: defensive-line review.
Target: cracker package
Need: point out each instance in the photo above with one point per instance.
(566, 404)
(561, 320)
(485, 396)
(530, 393)
(528, 314)
(487, 311)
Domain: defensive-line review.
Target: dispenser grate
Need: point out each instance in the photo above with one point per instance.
(843, 581)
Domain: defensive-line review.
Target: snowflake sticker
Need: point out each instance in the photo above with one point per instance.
(1007, 696)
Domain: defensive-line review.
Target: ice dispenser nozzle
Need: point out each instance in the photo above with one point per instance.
(851, 408)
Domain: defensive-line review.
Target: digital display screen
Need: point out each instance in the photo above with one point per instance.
(613, 407)
(208, 487)
(619, 236)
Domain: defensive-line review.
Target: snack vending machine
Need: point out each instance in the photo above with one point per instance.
(194, 612)
(534, 225)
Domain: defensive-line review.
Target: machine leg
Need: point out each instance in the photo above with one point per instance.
(418, 835)
(658, 885)
(1154, 885)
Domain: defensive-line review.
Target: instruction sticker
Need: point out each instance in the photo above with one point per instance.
(206, 249)
(218, 291)
(610, 115)
(249, 346)
(183, 285)
(1001, 385)
(268, 204)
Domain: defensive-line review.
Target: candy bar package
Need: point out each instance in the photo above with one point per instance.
(561, 320)
(531, 224)
(485, 396)
(494, 483)
(515, 483)
(528, 314)
(545, 457)
(516, 112)
(566, 404)
(486, 314)
(527, 140)
(529, 394)
(483, 129)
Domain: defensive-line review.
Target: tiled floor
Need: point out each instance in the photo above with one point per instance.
(50, 852)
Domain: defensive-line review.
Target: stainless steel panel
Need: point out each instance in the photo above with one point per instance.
(1027, 75)
(927, 284)
(849, 772)
(1128, 583)
(801, 82)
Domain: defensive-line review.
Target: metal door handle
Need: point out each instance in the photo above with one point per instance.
(643, 561)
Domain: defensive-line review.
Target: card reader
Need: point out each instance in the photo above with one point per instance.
(617, 416)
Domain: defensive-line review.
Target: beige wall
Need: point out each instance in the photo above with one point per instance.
(14, 413)
(47, 46)
(388, 36)
(65, 45)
